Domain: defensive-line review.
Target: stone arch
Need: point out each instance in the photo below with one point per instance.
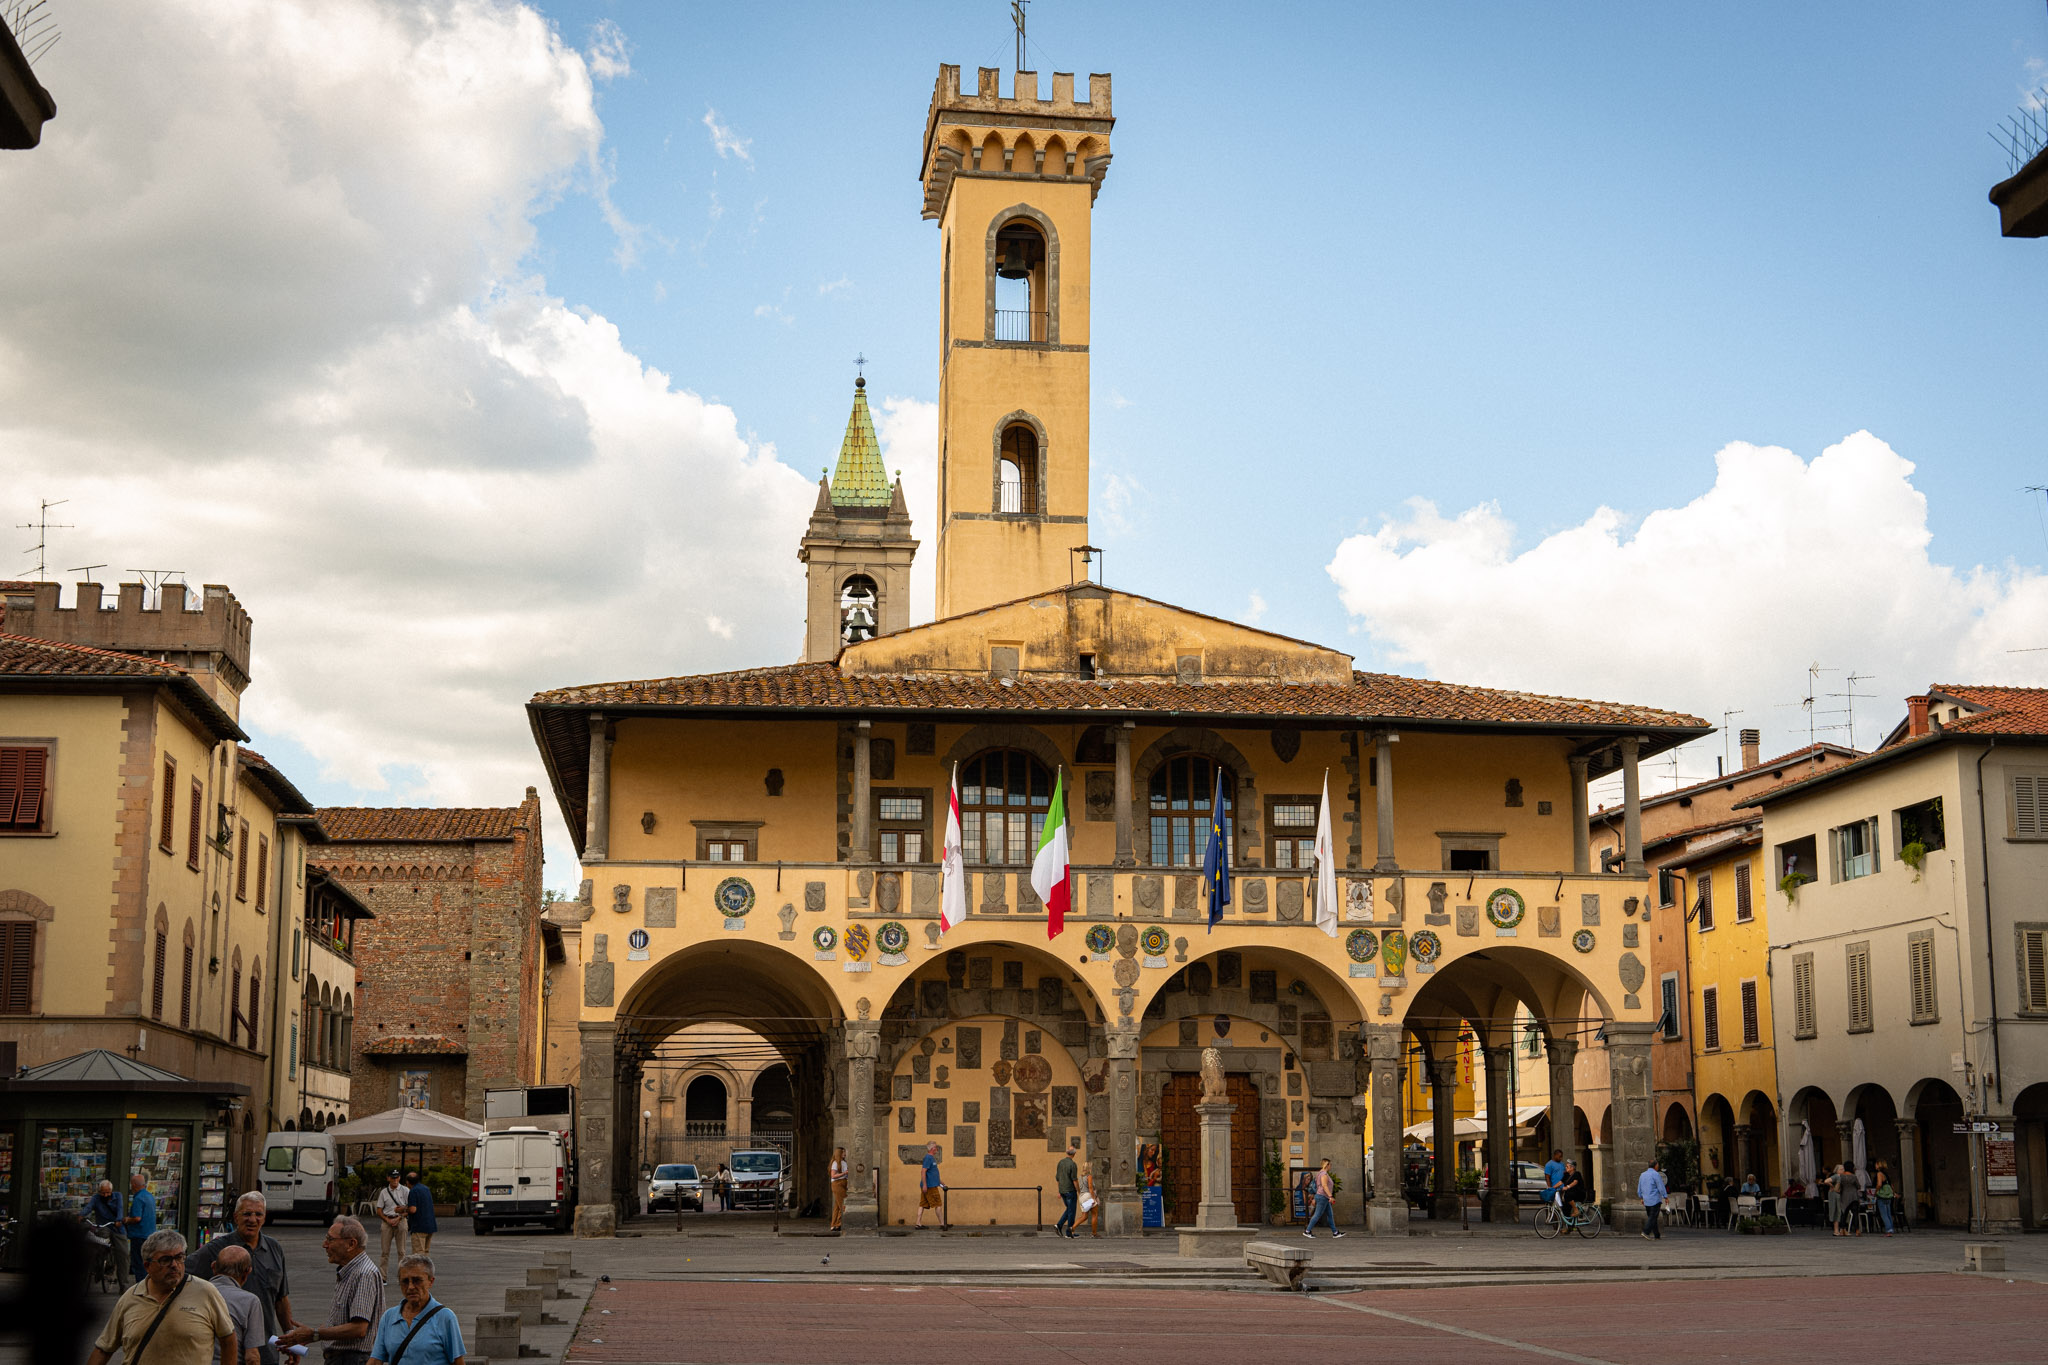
(1812, 1108)
(347, 1031)
(18, 906)
(1194, 739)
(1055, 155)
(26, 905)
(1038, 219)
(1040, 464)
(1004, 736)
(928, 999)
(1676, 1125)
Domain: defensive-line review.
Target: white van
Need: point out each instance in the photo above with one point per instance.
(299, 1174)
(523, 1175)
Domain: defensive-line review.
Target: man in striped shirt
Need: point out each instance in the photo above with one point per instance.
(358, 1297)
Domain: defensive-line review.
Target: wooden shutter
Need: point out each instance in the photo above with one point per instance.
(185, 992)
(167, 820)
(1803, 1022)
(198, 830)
(17, 966)
(1671, 1027)
(23, 772)
(234, 1005)
(1920, 976)
(262, 868)
(2034, 967)
(1859, 987)
(156, 978)
(1706, 900)
(10, 783)
(1745, 909)
(242, 865)
(1751, 1025)
(1710, 1021)
(255, 1003)
(2027, 797)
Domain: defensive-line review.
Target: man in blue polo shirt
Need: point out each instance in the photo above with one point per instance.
(1553, 1174)
(140, 1222)
(438, 1338)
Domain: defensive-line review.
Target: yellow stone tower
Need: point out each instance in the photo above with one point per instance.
(1012, 183)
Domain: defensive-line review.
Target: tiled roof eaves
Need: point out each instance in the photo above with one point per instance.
(420, 824)
(291, 801)
(1896, 753)
(1720, 848)
(109, 669)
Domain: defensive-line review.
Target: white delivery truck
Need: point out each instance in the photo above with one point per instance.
(524, 1175)
(299, 1174)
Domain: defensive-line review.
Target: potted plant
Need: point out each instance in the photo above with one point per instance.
(1790, 884)
(1915, 856)
(1276, 1187)
(1766, 1223)
(1468, 1186)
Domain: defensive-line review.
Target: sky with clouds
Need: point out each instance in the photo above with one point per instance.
(483, 348)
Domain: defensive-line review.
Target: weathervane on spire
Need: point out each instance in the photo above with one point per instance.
(859, 366)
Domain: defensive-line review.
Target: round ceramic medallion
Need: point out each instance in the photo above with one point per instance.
(825, 938)
(1583, 940)
(1362, 944)
(1125, 971)
(1033, 1073)
(1000, 1071)
(892, 938)
(1101, 938)
(1154, 941)
(1424, 946)
(857, 942)
(734, 897)
(1504, 908)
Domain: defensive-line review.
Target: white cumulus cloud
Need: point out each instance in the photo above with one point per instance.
(1720, 604)
(284, 334)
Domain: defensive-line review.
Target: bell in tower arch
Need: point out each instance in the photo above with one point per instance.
(858, 610)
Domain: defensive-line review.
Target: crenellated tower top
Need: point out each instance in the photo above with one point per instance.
(1025, 134)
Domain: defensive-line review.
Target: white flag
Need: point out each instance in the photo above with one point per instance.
(1326, 868)
(953, 865)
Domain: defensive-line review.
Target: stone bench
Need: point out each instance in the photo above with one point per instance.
(1283, 1265)
(1986, 1256)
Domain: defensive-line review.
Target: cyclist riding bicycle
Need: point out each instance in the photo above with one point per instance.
(1553, 1174)
(1571, 1190)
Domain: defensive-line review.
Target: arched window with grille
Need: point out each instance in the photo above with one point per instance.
(1183, 789)
(1004, 795)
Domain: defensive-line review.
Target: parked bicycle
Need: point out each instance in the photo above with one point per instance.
(105, 1271)
(1554, 1220)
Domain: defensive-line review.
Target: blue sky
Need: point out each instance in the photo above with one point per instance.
(1349, 255)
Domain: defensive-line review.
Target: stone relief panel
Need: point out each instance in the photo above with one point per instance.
(659, 907)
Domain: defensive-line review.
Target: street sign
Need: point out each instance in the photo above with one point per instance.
(1988, 1127)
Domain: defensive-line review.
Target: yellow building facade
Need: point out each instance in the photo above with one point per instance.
(761, 848)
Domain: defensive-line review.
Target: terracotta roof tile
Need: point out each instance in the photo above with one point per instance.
(28, 660)
(417, 824)
(417, 1045)
(1368, 696)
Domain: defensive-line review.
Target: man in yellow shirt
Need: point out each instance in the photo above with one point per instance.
(167, 1317)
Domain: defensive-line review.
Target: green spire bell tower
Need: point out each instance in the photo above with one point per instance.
(858, 547)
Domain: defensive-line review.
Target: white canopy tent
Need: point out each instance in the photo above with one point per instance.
(413, 1127)
(1470, 1129)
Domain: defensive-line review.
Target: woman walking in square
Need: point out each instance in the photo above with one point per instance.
(930, 1194)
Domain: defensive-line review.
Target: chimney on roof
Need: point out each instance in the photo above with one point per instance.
(1916, 717)
(1752, 743)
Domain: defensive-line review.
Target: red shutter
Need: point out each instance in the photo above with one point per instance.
(167, 821)
(242, 865)
(17, 966)
(198, 824)
(10, 783)
(35, 765)
(262, 867)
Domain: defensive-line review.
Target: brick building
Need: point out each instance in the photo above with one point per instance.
(448, 996)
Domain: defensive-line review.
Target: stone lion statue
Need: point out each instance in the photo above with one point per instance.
(1213, 1089)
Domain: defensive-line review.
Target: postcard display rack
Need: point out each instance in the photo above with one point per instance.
(213, 1177)
(158, 1152)
(71, 1163)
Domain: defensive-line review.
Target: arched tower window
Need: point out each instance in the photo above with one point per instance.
(1004, 795)
(1017, 474)
(1182, 792)
(860, 610)
(1023, 302)
(704, 1108)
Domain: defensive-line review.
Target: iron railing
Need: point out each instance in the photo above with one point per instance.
(1019, 324)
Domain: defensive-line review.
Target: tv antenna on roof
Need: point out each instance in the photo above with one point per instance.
(1017, 18)
(1850, 697)
(42, 526)
(153, 581)
(1727, 759)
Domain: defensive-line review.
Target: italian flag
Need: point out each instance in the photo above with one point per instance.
(1050, 876)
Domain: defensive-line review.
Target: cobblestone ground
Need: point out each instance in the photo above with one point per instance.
(1892, 1317)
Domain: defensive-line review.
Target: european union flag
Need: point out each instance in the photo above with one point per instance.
(1216, 858)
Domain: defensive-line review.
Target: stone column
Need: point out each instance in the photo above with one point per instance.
(1745, 1152)
(1126, 843)
(1500, 1136)
(1908, 1174)
(1388, 1211)
(596, 1215)
(1582, 858)
(1443, 1096)
(862, 823)
(1845, 1133)
(1217, 1210)
(1601, 1170)
(1628, 1055)
(1562, 1054)
(597, 802)
(1631, 808)
(743, 1116)
(1383, 763)
(1121, 1212)
(863, 1046)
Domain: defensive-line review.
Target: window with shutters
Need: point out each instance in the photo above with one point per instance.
(2028, 808)
(234, 1003)
(1920, 976)
(1855, 849)
(1745, 905)
(1858, 957)
(197, 834)
(167, 819)
(185, 983)
(242, 864)
(1703, 906)
(17, 966)
(1752, 1023)
(1710, 1019)
(262, 870)
(1667, 887)
(25, 789)
(156, 975)
(2032, 946)
(255, 1001)
(1804, 1022)
(1667, 1020)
